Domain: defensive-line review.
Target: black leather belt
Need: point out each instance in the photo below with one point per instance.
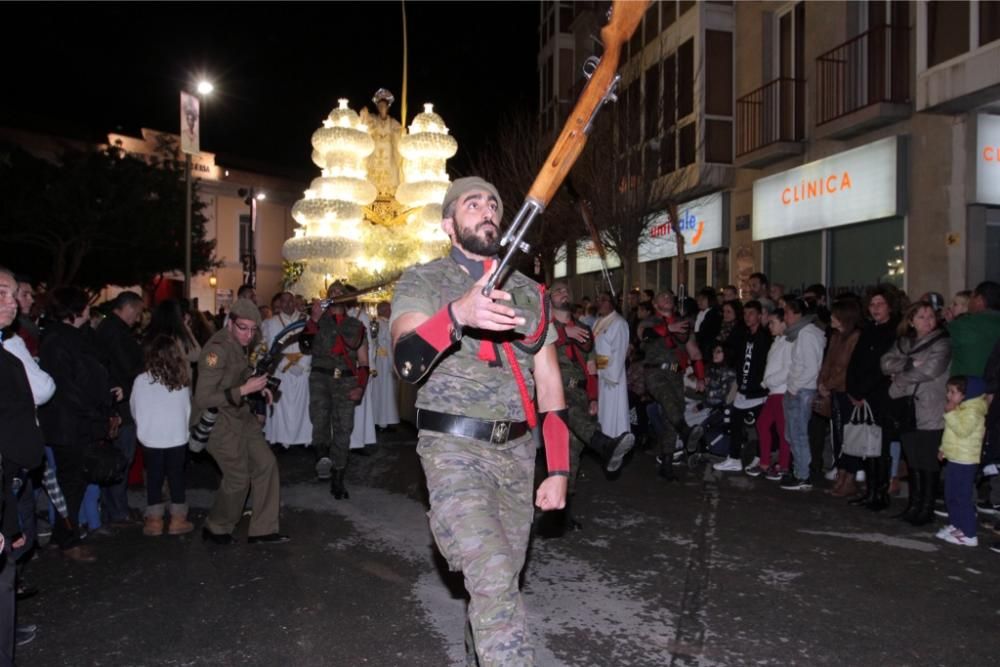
(496, 432)
(666, 366)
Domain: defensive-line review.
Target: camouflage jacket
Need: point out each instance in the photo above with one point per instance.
(336, 343)
(573, 358)
(463, 382)
(657, 344)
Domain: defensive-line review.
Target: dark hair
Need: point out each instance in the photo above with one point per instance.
(797, 305)
(848, 312)
(126, 298)
(709, 294)
(989, 292)
(650, 293)
(168, 320)
(22, 278)
(959, 382)
(737, 308)
(646, 305)
(731, 287)
(166, 363)
(778, 314)
(891, 296)
(761, 277)
(244, 290)
(754, 304)
(818, 289)
(66, 303)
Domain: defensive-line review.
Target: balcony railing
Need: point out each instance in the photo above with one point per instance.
(873, 67)
(771, 114)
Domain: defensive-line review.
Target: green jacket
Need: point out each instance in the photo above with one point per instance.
(964, 430)
(972, 339)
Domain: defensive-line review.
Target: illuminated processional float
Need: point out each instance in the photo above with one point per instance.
(375, 209)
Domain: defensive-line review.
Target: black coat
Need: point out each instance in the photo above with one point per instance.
(122, 356)
(708, 331)
(750, 359)
(78, 412)
(21, 444)
(865, 380)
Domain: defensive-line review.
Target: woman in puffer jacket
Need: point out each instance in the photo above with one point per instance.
(918, 365)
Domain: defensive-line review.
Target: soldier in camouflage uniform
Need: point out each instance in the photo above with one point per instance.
(237, 443)
(339, 347)
(475, 413)
(575, 345)
(668, 350)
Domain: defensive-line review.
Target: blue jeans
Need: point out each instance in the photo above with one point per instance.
(90, 508)
(114, 498)
(798, 409)
(959, 496)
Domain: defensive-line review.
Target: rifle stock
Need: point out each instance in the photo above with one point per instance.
(625, 18)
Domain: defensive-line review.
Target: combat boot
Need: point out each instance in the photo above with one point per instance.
(612, 450)
(881, 501)
(337, 488)
(870, 485)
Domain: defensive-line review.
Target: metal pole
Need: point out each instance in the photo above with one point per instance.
(187, 229)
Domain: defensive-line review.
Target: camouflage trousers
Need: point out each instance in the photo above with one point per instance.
(582, 426)
(480, 516)
(667, 388)
(332, 415)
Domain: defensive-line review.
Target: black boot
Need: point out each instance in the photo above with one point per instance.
(925, 510)
(612, 450)
(666, 470)
(569, 520)
(913, 501)
(337, 488)
(881, 499)
(869, 494)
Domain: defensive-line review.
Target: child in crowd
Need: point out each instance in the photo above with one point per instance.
(720, 391)
(161, 404)
(779, 360)
(959, 305)
(961, 445)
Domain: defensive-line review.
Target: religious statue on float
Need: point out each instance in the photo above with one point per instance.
(384, 162)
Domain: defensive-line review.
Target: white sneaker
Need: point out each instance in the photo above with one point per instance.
(754, 463)
(323, 468)
(859, 476)
(944, 532)
(831, 474)
(959, 538)
(729, 465)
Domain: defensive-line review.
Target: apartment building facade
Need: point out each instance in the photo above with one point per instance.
(862, 144)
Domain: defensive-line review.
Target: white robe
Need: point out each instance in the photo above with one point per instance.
(384, 384)
(611, 341)
(288, 420)
(364, 416)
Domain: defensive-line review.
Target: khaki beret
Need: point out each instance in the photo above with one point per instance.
(245, 309)
(460, 186)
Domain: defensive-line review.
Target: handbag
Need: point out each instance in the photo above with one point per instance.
(901, 414)
(862, 435)
(103, 464)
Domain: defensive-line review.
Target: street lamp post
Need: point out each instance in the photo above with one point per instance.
(190, 131)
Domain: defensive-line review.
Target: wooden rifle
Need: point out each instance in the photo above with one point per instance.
(601, 88)
(588, 219)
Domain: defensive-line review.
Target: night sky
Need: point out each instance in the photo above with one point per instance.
(81, 70)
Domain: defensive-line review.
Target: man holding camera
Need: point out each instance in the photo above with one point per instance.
(225, 380)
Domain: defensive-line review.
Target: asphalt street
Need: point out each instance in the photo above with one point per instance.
(716, 569)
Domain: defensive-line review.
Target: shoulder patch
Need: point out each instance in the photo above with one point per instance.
(211, 360)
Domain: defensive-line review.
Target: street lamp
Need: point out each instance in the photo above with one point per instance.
(190, 131)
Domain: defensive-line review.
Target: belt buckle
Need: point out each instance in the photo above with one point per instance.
(337, 373)
(500, 432)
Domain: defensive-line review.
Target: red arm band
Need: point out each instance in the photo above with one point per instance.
(591, 387)
(311, 327)
(362, 374)
(556, 436)
(699, 369)
(437, 331)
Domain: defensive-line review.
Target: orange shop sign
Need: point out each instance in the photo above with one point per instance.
(988, 159)
(845, 188)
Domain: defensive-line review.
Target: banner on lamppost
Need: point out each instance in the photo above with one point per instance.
(190, 123)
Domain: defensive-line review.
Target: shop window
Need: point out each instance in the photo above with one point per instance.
(795, 261)
(947, 30)
(992, 250)
(685, 79)
(649, 270)
(668, 152)
(867, 254)
(633, 120)
(700, 274)
(650, 161)
(989, 21)
(669, 94)
(665, 275)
